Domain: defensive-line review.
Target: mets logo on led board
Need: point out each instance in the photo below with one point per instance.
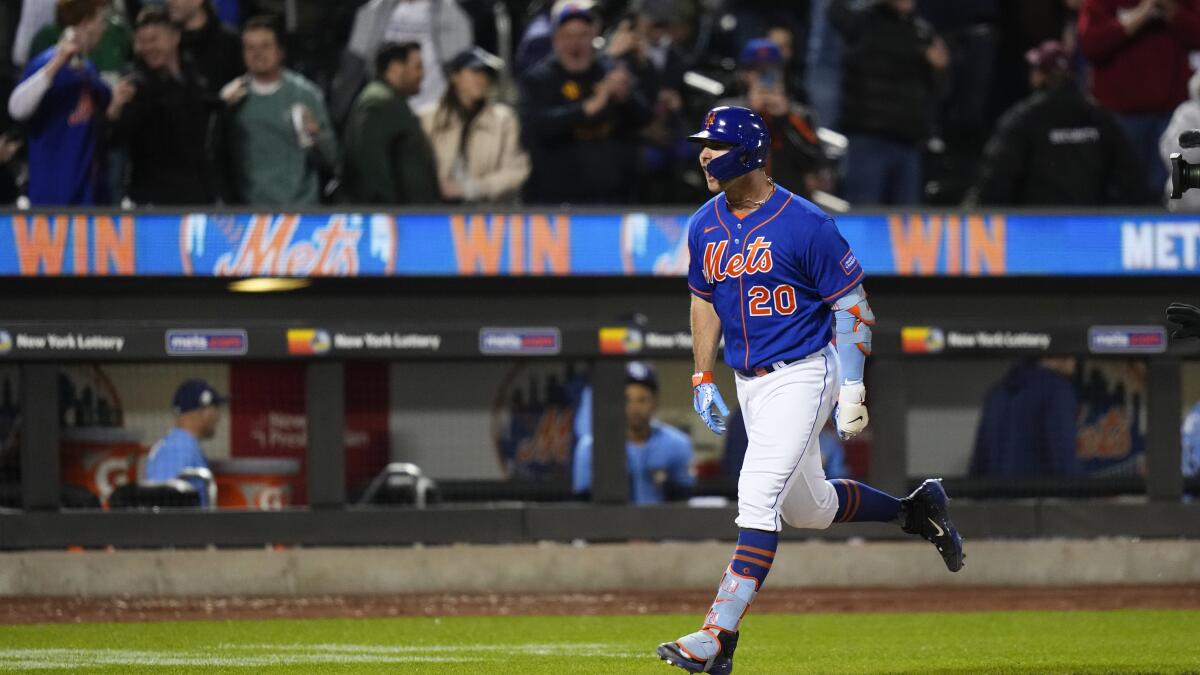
(921, 340)
(308, 341)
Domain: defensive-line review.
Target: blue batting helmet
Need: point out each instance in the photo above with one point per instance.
(745, 131)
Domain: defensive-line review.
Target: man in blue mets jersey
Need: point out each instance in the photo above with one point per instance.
(772, 275)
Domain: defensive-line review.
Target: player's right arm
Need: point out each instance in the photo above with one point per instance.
(706, 336)
(37, 80)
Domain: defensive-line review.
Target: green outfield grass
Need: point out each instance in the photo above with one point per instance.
(998, 642)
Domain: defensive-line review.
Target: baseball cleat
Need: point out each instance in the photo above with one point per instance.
(701, 652)
(925, 513)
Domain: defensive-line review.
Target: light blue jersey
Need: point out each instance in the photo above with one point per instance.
(178, 450)
(665, 457)
(1191, 442)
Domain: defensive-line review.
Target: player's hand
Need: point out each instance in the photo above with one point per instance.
(851, 411)
(1187, 317)
(704, 396)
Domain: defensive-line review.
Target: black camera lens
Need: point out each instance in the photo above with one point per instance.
(1184, 176)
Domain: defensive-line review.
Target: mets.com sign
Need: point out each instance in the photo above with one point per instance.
(565, 244)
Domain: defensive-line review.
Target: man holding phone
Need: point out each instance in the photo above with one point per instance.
(61, 99)
(797, 158)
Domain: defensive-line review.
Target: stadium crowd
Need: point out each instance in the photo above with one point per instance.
(420, 102)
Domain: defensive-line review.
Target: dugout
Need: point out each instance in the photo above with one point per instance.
(920, 402)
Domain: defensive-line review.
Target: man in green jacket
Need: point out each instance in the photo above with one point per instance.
(276, 129)
(388, 158)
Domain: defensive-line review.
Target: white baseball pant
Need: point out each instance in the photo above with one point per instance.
(782, 478)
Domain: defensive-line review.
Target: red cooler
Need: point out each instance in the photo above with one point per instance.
(100, 459)
(255, 483)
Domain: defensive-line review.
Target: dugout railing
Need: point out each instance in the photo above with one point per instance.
(329, 519)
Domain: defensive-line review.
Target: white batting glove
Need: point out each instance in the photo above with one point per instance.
(851, 411)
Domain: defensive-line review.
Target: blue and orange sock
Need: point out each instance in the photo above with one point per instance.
(755, 553)
(859, 502)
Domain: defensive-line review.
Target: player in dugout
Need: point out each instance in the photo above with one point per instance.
(771, 274)
(197, 408)
(659, 456)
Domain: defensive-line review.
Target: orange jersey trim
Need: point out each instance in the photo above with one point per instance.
(746, 240)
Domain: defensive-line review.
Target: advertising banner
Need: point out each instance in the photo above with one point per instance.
(571, 244)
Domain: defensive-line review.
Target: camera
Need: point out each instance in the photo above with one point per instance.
(1185, 176)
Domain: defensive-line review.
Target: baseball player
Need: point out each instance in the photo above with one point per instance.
(771, 273)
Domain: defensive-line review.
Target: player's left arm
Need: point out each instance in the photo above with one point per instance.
(853, 320)
(836, 274)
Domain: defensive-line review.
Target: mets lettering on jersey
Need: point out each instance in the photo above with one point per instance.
(770, 276)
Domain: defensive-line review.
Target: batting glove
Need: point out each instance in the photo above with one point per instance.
(851, 411)
(704, 396)
(1186, 317)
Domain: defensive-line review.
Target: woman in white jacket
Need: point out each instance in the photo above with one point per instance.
(475, 140)
(1186, 117)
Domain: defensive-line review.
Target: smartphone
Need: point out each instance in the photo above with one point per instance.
(770, 77)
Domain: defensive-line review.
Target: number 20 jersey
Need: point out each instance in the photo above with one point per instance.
(771, 276)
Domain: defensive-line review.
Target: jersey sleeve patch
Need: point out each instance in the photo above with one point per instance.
(849, 263)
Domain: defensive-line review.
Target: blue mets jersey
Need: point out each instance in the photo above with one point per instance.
(66, 162)
(770, 276)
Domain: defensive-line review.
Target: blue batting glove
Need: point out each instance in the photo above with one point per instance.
(704, 396)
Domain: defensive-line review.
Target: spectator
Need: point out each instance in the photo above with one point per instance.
(476, 141)
(1186, 117)
(1138, 50)
(58, 99)
(580, 119)
(197, 408)
(35, 15)
(388, 158)
(658, 456)
(644, 43)
(209, 49)
(1028, 426)
(276, 131)
(782, 33)
(1057, 148)
(797, 157)
(442, 29)
(111, 55)
(894, 73)
(1191, 442)
(537, 38)
(315, 32)
(165, 123)
(1023, 25)
(833, 453)
(227, 11)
